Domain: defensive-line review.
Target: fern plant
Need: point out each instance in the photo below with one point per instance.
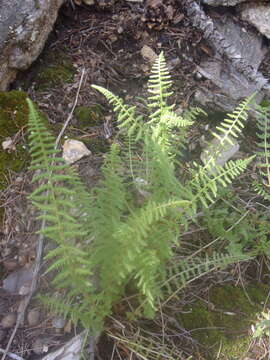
(124, 230)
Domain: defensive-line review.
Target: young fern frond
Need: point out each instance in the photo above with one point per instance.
(127, 118)
(261, 190)
(209, 177)
(263, 153)
(228, 130)
(205, 185)
(180, 273)
(159, 85)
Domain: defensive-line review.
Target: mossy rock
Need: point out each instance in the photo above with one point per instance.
(13, 120)
(88, 116)
(55, 70)
(225, 323)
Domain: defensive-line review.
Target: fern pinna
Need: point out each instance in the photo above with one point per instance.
(123, 230)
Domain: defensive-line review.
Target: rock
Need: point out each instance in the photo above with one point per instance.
(9, 320)
(7, 144)
(233, 85)
(25, 289)
(148, 54)
(58, 322)
(257, 15)
(24, 28)
(222, 2)
(33, 317)
(74, 150)
(70, 350)
(41, 345)
(14, 282)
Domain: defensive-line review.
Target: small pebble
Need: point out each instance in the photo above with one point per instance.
(40, 346)
(58, 322)
(33, 317)
(9, 320)
(25, 289)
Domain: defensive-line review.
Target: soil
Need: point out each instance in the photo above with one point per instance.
(104, 44)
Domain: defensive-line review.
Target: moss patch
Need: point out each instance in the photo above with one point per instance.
(97, 145)
(225, 320)
(13, 120)
(88, 116)
(53, 69)
(54, 75)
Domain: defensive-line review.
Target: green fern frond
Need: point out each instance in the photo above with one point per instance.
(233, 125)
(263, 154)
(127, 118)
(192, 114)
(206, 185)
(62, 202)
(158, 86)
(180, 273)
(228, 130)
(261, 190)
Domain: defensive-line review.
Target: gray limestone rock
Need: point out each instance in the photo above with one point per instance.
(235, 85)
(24, 28)
(257, 15)
(233, 68)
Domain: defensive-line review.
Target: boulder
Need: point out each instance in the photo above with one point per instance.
(24, 28)
(257, 15)
(234, 85)
(233, 67)
(222, 2)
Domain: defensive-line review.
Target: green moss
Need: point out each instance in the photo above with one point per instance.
(89, 115)
(265, 103)
(1, 217)
(97, 144)
(13, 120)
(224, 323)
(56, 70)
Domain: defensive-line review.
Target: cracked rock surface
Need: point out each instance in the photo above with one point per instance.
(24, 28)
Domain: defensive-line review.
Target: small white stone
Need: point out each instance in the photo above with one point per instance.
(74, 150)
(148, 54)
(8, 144)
